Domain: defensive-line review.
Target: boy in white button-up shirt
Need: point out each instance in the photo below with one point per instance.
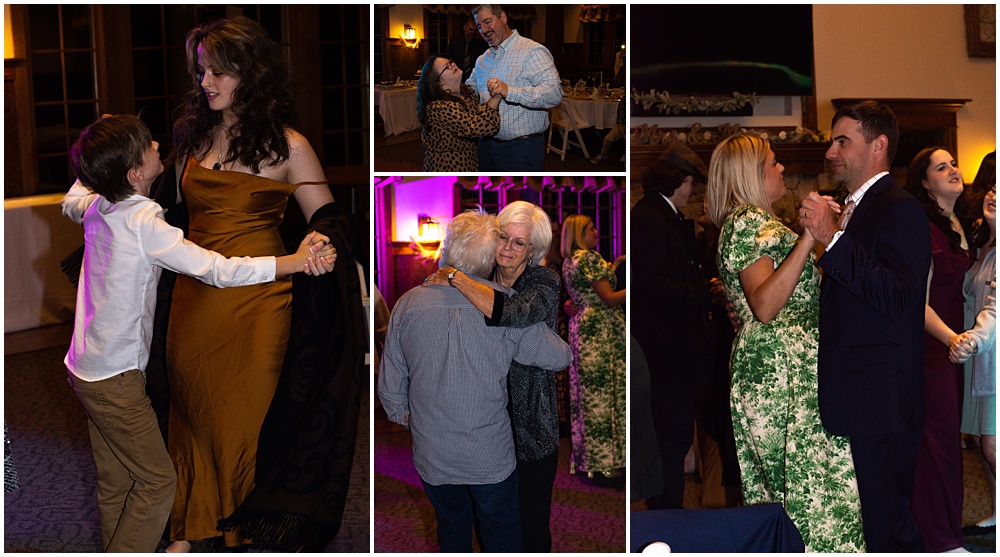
(126, 245)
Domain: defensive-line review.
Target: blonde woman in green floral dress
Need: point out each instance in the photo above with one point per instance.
(785, 454)
(597, 337)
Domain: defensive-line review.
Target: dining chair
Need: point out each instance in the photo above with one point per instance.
(565, 121)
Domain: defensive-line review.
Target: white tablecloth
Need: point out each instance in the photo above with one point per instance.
(36, 237)
(600, 114)
(398, 109)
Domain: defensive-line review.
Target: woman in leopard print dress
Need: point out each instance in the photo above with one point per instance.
(452, 118)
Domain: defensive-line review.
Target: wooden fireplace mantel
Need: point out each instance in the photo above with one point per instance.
(797, 158)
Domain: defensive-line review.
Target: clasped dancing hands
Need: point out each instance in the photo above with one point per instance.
(320, 255)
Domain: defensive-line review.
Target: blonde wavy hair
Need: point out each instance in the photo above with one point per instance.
(736, 176)
(572, 234)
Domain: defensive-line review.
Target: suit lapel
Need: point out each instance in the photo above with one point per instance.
(867, 201)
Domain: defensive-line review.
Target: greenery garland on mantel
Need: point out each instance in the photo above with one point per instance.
(696, 134)
(665, 104)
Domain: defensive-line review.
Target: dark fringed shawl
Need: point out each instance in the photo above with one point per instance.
(306, 445)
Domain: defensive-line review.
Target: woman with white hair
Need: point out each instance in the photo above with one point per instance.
(527, 233)
(597, 337)
(768, 271)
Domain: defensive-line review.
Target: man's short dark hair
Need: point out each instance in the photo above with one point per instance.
(105, 152)
(876, 119)
(495, 9)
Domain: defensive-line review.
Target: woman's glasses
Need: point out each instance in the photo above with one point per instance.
(450, 65)
(516, 244)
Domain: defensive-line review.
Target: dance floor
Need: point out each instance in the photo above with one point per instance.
(586, 518)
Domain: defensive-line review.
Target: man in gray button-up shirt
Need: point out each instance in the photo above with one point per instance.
(443, 375)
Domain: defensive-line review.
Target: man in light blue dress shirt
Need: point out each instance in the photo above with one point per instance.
(525, 75)
(444, 376)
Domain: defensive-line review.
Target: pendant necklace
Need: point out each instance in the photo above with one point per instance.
(218, 162)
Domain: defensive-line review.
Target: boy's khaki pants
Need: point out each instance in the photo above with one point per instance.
(135, 476)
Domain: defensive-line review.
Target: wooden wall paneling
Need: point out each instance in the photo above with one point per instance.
(114, 69)
(12, 172)
(303, 32)
(25, 119)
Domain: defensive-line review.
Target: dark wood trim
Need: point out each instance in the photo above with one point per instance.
(22, 95)
(384, 37)
(810, 120)
(797, 158)
(303, 33)
(113, 53)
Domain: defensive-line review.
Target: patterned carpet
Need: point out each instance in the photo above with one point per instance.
(56, 508)
(586, 518)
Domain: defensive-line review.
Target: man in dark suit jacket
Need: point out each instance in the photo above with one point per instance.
(871, 360)
(466, 48)
(668, 309)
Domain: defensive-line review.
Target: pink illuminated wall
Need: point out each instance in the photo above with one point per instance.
(434, 197)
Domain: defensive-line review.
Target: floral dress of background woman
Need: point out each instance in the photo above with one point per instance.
(785, 454)
(597, 373)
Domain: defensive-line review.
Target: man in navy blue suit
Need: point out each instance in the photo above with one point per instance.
(871, 361)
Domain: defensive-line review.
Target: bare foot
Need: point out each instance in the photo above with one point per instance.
(179, 546)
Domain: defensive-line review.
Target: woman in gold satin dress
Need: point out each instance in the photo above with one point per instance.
(238, 162)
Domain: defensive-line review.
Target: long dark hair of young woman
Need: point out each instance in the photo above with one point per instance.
(916, 173)
(262, 101)
(429, 90)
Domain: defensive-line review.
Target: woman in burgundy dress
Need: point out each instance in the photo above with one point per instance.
(934, 178)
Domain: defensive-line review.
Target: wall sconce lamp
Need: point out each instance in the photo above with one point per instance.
(427, 243)
(409, 36)
(428, 229)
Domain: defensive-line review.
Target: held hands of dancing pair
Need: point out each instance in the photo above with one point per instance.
(817, 218)
(315, 256)
(497, 87)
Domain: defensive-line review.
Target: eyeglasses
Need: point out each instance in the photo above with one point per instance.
(516, 244)
(450, 65)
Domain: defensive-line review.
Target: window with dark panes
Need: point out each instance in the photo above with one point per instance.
(605, 208)
(343, 52)
(436, 32)
(377, 31)
(595, 45)
(60, 64)
(82, 61)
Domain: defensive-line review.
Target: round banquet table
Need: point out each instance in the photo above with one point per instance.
(398, 108)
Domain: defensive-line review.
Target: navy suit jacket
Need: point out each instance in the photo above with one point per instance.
(871, 342)
(668, 304)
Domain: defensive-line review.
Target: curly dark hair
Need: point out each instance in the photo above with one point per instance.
(262, 101)
(916, 173)
(662, 178)
(105, 152)
(429, 90)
